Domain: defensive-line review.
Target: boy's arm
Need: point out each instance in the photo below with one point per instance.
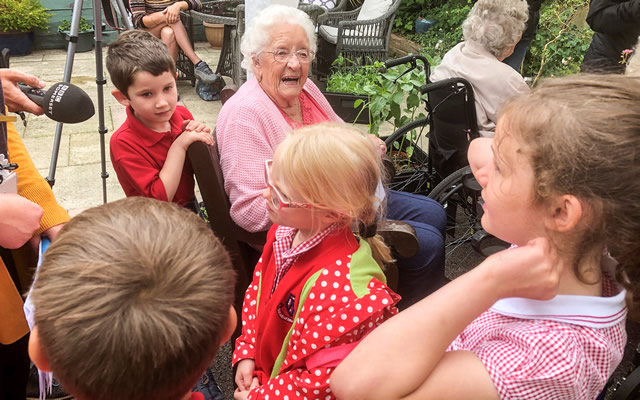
(405, 357)
(171, 171)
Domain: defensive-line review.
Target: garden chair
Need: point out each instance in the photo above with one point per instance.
(241, 244)
(361, 35)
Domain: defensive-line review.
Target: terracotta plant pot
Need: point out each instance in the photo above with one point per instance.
(214, 33)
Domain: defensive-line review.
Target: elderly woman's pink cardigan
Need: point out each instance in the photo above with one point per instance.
(249, 128)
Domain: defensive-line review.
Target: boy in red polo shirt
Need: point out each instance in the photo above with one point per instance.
(148, 151)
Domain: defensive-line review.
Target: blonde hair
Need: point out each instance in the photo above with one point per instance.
(335, 167)
(132, 301)
(582, 136)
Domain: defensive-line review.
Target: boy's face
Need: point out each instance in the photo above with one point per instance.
(152, 98)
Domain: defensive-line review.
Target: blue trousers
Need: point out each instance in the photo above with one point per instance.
(423, 273)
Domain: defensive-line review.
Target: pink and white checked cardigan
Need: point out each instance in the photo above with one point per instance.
(249, 128)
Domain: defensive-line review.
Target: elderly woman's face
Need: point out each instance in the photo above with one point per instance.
(283, 80)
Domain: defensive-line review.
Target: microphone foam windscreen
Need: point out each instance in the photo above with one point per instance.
(67, 103)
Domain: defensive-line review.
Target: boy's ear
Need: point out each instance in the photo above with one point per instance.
(566, 212)
(36, 353)
(231, 325)
(120, 97)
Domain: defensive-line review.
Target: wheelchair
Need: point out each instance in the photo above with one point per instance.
(442, 171)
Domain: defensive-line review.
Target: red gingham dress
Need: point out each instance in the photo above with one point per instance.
(564, 348)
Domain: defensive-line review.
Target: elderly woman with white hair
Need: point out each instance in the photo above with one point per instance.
(278, 47)
(491, 31)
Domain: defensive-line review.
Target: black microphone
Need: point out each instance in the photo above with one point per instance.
(62, 102)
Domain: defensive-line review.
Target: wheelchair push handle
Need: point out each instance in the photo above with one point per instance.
(411, 58)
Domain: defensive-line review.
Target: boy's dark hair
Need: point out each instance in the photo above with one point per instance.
(135, 51)
(132, 301)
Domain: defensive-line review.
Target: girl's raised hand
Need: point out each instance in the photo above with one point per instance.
(531, 271)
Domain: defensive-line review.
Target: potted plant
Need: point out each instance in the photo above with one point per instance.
(372, 95)
(18, 19)
(85, 34)
(349, 84)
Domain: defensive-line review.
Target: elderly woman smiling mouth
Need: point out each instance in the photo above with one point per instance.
(278, 46)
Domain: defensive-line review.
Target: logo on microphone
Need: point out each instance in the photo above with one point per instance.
(57, 94)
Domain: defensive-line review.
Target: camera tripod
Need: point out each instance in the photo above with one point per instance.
(100, 78)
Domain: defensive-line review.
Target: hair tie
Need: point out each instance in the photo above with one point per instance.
(367, 231)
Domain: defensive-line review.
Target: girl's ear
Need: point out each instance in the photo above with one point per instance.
(330, 217)
(566, 212)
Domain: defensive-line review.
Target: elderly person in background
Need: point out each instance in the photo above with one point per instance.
(491, 31)
(278, 48)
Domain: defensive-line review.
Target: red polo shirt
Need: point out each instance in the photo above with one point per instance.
(138, 154)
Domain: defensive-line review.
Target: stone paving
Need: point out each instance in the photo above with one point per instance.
(78, 181)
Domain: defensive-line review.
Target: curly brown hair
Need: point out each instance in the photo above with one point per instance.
(582, 136)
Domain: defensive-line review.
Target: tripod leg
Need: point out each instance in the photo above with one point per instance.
(68, 66)
(101, 81)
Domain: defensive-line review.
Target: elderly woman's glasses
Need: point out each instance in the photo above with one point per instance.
(277, 199)
(283, 56)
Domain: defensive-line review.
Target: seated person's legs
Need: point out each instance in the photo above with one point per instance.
(175, 35)
(423, 273)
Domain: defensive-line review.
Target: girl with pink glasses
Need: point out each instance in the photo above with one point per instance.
(318, 287)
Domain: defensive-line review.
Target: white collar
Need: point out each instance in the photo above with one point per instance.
(591, 311)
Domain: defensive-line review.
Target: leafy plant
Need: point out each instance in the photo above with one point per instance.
(23, 16)
(393, 95)
(558, 49)
(560, 43)
(409, 10)
(65, 26)
(447, 32)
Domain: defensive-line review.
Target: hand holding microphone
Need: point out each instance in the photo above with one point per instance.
(14, 99)
(62, 102)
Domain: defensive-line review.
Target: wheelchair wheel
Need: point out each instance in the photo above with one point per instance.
(459, 194)
(412, 168)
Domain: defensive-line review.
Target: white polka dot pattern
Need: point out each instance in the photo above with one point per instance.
(332, 315)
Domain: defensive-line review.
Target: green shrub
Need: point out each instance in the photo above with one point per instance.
(23, 16)
(65, 26)
(561, 41)
(447, 31)
(558, 49)
(409, 10)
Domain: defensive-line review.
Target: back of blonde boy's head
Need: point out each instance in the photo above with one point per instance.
(582, 136)
(335, 167)
(134, 51)
(132, 301)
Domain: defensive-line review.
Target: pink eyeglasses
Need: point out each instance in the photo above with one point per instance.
(278, 200)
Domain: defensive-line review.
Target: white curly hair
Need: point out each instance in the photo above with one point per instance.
(496, 24)
(256, 37)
